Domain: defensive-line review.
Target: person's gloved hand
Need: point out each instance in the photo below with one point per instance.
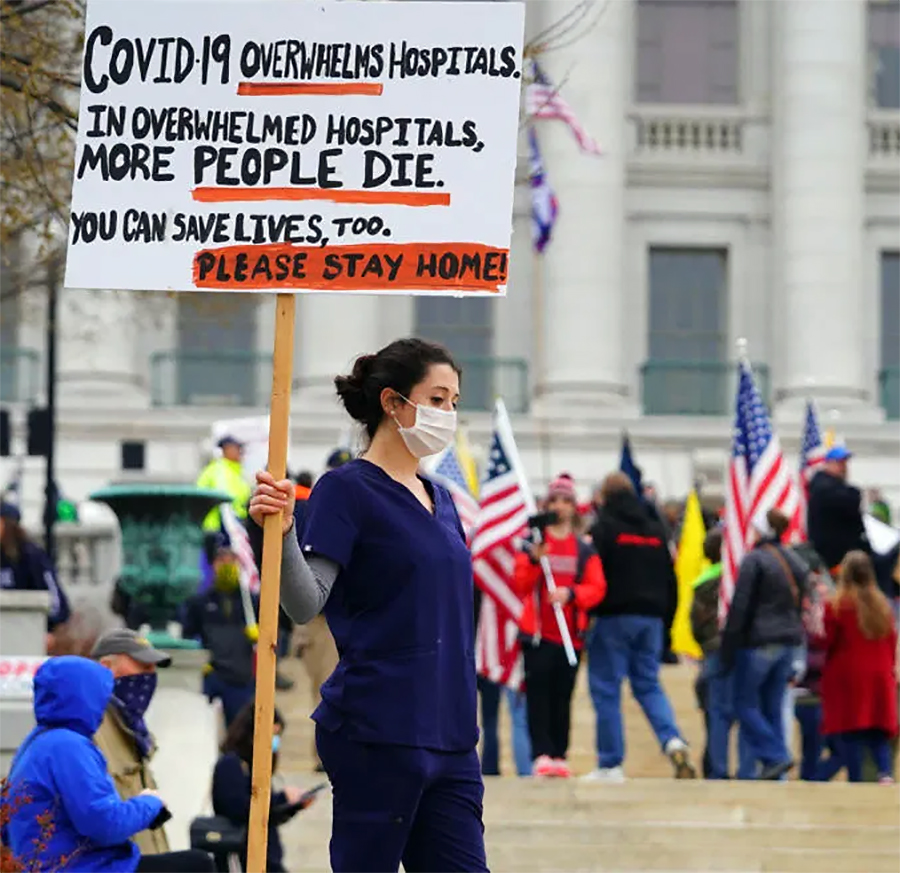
(252, 632)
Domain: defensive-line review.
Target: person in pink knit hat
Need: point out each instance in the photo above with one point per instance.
(549, 678)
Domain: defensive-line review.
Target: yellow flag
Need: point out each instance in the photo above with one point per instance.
(689, 564)
(829, 438)
(467, 462)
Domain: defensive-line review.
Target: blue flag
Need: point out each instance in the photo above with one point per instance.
(629, 468)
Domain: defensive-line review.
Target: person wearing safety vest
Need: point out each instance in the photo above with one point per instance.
(226, 474)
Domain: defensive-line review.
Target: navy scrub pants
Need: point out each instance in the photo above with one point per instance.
(396, 804)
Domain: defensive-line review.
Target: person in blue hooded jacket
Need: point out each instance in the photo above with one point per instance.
(63, 810)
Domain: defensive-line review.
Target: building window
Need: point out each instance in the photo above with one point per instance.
(688, 52)
(890, 333)
(216, 362)
(466, 327)
(687, 370)
(884, 53)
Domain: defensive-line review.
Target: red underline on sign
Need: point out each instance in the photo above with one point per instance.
(310, 89)
(331, 195)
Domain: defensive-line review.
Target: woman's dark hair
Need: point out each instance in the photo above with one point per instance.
(779, 522)
(399, 366)
(239, 737)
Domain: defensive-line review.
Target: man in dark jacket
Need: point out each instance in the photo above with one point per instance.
(834, 513)
(627, 637)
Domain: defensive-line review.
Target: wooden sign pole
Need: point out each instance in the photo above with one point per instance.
(270, 590)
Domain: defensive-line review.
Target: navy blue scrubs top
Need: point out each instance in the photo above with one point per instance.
(401, 612)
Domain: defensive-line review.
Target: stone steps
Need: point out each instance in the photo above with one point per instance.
(654, 825)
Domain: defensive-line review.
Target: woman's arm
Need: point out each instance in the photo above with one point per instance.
(592, 589)
(526, 574)
(305, 582)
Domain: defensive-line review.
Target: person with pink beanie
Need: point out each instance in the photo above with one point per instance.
(549, 678)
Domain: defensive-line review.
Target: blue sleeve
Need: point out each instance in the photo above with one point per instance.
(332, 525)
(90, 799)
(231, 790)
(191, 626)
(42, 576)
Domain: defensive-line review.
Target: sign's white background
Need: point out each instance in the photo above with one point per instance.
(480, 185)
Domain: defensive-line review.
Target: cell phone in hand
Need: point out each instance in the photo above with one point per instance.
(310, 795)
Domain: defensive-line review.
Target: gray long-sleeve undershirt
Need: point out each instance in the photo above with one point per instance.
(305, 582)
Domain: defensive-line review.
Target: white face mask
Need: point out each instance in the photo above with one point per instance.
(433, 431)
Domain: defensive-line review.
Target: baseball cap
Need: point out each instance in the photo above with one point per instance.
(338, 458)
(228, 439)
(10, 511)
(122, 641)
(838, 453)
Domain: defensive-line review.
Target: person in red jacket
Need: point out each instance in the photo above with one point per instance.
(549, 678)
(859, 686)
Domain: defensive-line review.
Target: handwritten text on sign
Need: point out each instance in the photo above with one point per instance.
(296, 146)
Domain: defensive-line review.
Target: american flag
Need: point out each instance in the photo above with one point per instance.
(448, 472)
(812, 455)
(758, 480)
(502, 519)
(240, 545)
(544, 205)
(543, 100)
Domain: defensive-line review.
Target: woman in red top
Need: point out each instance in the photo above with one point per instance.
(549, 678)
(859, 690)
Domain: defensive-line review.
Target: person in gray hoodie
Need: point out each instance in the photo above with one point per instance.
(763, 630)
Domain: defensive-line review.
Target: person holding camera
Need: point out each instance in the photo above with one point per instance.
(580, 586)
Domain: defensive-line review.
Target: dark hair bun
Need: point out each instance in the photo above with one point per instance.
(352, 389)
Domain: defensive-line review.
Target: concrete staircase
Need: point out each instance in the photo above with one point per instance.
(650, 823)
(656, 825)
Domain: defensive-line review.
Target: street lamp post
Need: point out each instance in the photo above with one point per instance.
(50, 492)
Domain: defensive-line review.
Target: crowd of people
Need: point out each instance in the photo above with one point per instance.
(376, 571)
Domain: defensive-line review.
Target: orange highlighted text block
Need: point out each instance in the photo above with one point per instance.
(367, 267)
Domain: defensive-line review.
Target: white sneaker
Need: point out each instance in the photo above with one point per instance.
(680, 756)
(613, 775)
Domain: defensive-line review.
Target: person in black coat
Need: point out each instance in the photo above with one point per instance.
(25, 566)
(626, 639)
(231, 787)
(834, 511)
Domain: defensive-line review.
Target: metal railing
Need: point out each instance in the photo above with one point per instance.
(226, 378)
(486, 379)
(889, 383)
(20, 374)
(182, 378)
(694, 387)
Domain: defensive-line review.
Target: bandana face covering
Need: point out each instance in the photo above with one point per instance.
(131, 697)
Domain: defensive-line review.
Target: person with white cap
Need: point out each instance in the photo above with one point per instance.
(763, 630)
(123, 736)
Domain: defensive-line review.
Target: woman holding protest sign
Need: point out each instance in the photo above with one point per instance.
(384, 554)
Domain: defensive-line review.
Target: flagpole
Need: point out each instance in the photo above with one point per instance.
(504, 428)
(540, 376)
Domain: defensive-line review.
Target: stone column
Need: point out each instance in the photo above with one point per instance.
(583, 267)
(818, 169)
(332, 331)
(98, 345)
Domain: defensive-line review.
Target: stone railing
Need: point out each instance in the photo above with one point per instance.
(677, 131)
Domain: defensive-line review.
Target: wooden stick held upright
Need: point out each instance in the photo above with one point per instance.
(270, 591)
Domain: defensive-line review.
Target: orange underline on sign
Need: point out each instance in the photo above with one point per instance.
(331, 195)
(311, 89)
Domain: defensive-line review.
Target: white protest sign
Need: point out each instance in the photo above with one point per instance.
(287, 146)
(17, 674)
